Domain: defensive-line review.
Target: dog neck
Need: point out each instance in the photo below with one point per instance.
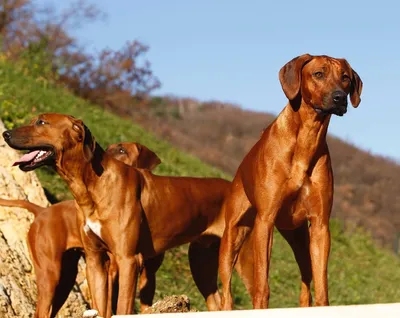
(303, 134)
(83, 177)
(306, 127)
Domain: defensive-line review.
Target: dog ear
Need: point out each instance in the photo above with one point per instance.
(89, 145)
(147, 159)
(355, 89)
(84, 134)
(290, 75)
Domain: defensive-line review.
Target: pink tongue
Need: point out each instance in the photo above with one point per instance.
(27, 157)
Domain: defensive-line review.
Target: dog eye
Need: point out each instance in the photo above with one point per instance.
(345, 78)
(122, 150)
(318, 74)
(40, 122)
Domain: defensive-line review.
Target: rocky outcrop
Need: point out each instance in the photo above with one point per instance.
(17, 280)
(170, 304)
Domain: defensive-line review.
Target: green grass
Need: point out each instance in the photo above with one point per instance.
(359, 272)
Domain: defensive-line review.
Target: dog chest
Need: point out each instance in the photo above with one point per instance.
(93, 226)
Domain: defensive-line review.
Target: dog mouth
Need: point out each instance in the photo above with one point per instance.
(336, 110)
(35, 158)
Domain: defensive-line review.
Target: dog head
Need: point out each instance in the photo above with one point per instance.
(134, 154)
(322, 82)
(51, 139)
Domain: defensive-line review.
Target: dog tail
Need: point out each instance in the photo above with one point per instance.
(31, 207)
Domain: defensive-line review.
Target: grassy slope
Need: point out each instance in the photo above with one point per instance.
(358, 271)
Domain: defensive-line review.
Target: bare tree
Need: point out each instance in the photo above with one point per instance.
(42, 35)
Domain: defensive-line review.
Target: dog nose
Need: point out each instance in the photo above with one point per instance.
(339, 98)
(7, 135)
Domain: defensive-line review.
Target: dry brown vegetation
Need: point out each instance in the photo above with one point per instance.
(38, 39)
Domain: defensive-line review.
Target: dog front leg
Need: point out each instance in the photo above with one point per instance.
(235, 208)
(128, 275)
(112, 286)
(128, 262)
(320, 243)
(268, 203)
(97, 277)
(320, 207)
(262, 246)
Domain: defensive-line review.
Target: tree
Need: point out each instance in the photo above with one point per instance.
(40, 38)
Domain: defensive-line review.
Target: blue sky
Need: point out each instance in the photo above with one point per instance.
(232, 51)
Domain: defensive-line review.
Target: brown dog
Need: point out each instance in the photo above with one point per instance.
(125, 211)
(55, 257)
(286, 180)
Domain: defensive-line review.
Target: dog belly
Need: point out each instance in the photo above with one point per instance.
(163, 244)
(287, 221)
(292, 214)
(185, 227)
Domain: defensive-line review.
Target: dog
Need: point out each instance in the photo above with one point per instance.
(125, 211)
(55, 257)
(286, 181)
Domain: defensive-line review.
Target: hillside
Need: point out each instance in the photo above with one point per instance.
(359, 272)
(366, 186)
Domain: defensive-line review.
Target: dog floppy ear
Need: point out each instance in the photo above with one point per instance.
(84, 134)
(89, 144)
(355, 89)
(290, 75)
(147, 159)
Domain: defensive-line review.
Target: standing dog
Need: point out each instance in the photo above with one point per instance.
(55, 256)
(125, 211)
(286, 180)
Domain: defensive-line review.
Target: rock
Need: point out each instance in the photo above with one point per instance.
(170, 304)
(91, 313)
(17, 281)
